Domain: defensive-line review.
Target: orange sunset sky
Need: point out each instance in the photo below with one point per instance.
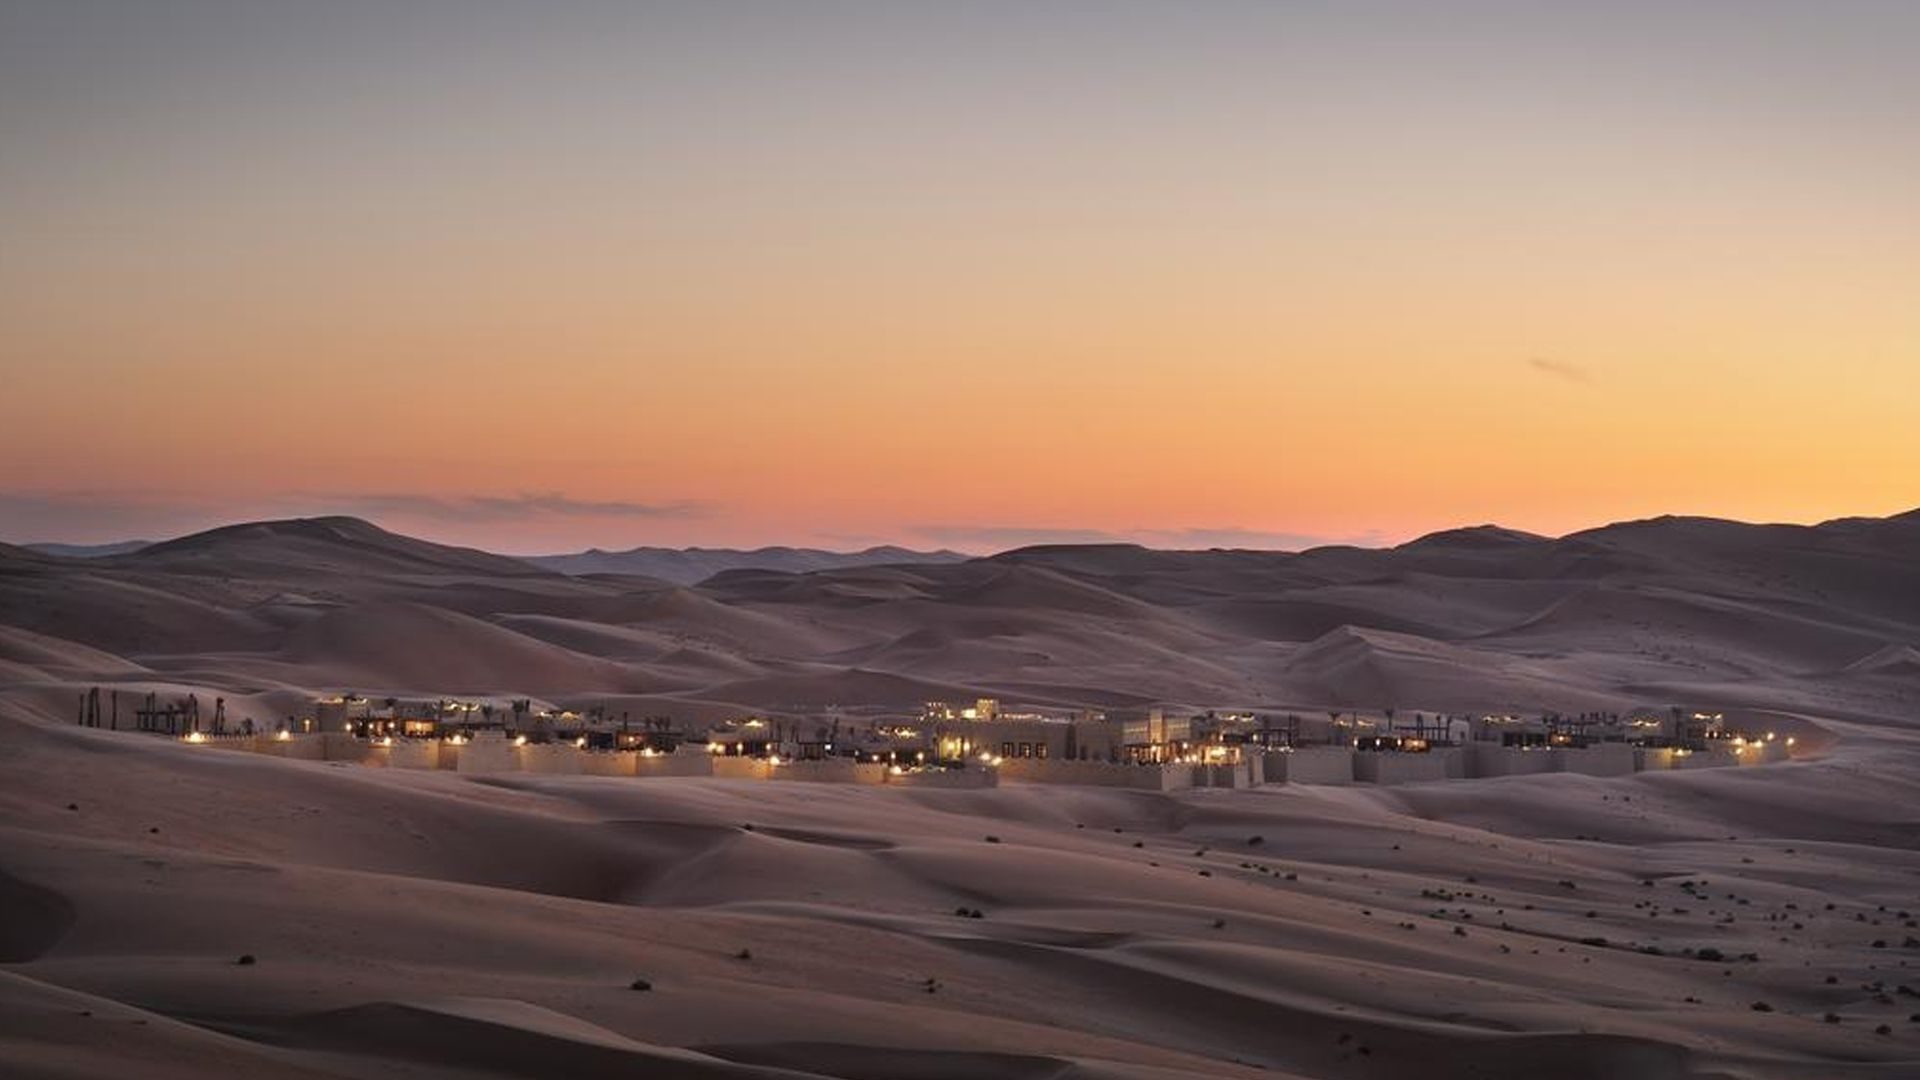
(538, 277)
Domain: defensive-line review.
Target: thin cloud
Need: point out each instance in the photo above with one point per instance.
(1256, 539)
(103, 516)
(494, 508)
(1560, 369)
(96, 517)
(1005, 537)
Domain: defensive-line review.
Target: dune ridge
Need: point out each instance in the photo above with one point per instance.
(176, 911)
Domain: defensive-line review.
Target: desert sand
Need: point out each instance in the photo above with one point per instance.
(176, 911)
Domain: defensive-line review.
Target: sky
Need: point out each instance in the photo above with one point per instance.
(543, 276)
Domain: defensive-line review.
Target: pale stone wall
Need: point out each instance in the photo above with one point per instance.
(1602, 759)
(484, 755)
(552, 758)
(1716, 758)
(1097, 740)
(1311, 765)
(1491, 759)
(700, 764)
(1005, 736)
(414, 754)
(293, 747)
(740, 768)
(945, 778)
(832, 771)
(608, 762)
(1228, 775)
(1762, 753)
(340, 746)
(1396, 768)
(1652, 759)
(1099, 774)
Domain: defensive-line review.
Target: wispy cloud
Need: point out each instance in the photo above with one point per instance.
(89, 516)
(1003, 537)
(1560, 369)
(487, 508)
(96, 516)
(1259, 539)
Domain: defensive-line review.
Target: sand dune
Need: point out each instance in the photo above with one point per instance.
(689, 566)
(53, 656)
(390, 932)
(1356, 667)
(320, 548)
(434, 925)
(390, 644)
(1614, 612)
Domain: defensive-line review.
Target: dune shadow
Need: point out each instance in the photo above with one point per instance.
(497, 1037)
(828, 839)
(36, 919)
(850, 1061)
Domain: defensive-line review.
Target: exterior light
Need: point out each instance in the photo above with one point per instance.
(196, 737)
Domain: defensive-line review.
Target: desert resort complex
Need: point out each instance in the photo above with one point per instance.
(972, 746)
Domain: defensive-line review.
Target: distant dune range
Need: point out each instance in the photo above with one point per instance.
(1480, 618)
(1664, 925)
(688, 566)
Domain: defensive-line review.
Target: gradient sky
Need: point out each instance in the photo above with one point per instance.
(540, 276)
